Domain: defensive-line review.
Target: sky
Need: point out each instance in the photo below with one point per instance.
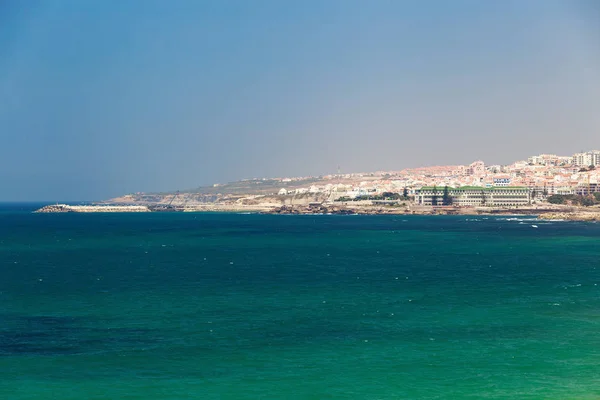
(103, 98)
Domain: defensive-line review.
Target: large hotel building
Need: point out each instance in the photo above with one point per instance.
(472, 196)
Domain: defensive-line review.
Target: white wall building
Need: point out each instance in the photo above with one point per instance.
(475, 196)
(586, 159)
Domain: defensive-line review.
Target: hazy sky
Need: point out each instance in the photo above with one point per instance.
(101, 98)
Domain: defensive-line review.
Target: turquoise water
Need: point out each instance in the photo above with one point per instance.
(223, 306)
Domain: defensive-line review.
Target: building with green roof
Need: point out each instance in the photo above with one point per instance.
(475, 196)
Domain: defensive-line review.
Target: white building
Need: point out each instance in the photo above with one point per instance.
(586, 159)
(544, 159)
(535, 160)
(477, 168)
(501, 180)
(475, 196)
(562, 160)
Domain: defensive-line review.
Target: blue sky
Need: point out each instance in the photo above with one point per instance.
(103, 98)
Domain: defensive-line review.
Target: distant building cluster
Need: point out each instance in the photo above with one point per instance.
(477, 183)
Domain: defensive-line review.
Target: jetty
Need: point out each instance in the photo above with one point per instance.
(65, 208)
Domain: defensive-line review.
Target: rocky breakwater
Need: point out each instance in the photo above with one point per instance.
(572, 216)
(65, 208)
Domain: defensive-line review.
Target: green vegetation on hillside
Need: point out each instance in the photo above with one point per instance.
(383, 196)
(254, 186)
(575, 199)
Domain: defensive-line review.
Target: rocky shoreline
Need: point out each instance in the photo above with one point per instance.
(590, 216)
(379, 210)
(567, 214)
(315, 209)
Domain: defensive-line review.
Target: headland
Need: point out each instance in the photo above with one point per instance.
(551, 186)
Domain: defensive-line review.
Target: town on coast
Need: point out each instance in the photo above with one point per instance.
(552, 186)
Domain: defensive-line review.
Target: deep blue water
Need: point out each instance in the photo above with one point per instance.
(226, 306)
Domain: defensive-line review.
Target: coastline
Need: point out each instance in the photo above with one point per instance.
(566, 213)
(549, 213)
(583, 215)
(129, 208)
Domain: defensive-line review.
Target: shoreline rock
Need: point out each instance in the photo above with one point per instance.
(572, 216)
(569, 214)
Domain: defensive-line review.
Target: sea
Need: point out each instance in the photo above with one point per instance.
(249, 306)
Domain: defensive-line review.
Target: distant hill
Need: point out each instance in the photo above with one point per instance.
(254, 186)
